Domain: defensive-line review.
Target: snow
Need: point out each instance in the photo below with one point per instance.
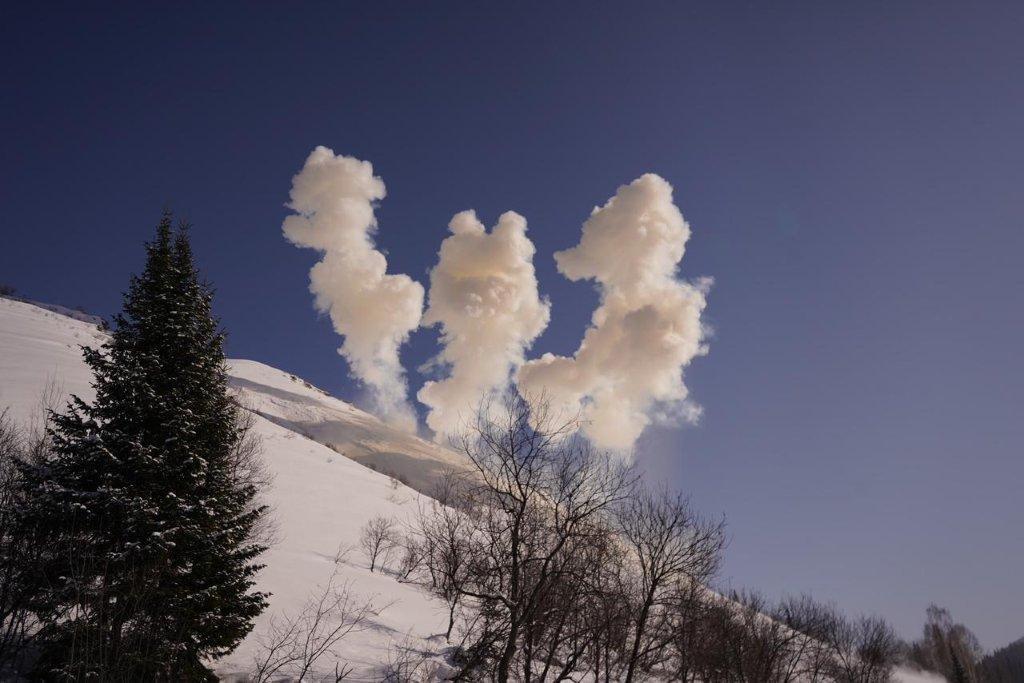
(303, 408)
(320, 499)
(73, 313)
(321, 494)
(905, 675)
(39, 348)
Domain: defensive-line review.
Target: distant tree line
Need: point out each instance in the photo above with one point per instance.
(950, 649)
(1005, 665)
(130, 527)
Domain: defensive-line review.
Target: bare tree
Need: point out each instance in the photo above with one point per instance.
(409, 664)
(537, 498)
(758, 647)
(948, 647)
(446, 546)
(692, 635)
(813, 625)
(377, 539)
(565, 564)
(673, 549)
(412, 556)
(747, 639)
(836, 647)
(250, 469)
(865, 650)
(609, 610)
(295, 645)
(561, 635)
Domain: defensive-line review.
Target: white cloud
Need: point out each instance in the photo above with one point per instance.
(483, 294)
(333, 197)
(628, 370)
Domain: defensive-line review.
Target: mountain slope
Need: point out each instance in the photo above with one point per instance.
(39, 353)
(40, 347)
(320, 499)
(300, 407)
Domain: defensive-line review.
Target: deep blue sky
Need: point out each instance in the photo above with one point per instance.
(853, 175)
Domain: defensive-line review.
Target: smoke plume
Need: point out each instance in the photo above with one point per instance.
(333, 199)
(483, 294)
(628, 370)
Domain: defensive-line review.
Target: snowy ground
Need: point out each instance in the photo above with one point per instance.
(300, 407)
(40, 348)
(321, 499)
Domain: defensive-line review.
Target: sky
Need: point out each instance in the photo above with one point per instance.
(851, 175)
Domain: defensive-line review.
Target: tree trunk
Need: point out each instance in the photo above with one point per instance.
(506, 657)
(641, 625)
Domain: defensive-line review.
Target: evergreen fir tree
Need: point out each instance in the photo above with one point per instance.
(149, 529)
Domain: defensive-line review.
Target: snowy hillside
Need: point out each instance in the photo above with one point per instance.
(301, 407)
(75, 313)
(40, 348)
(320, 499)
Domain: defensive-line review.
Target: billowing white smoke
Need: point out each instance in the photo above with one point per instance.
(333, 199)
(628, 369)
(483, 294)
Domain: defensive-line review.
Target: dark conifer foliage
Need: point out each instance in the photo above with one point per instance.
(149, 531)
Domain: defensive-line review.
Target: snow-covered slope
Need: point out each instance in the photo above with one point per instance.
(39, 353)
(299, 406)
(74, 313)
(320, 499)
(40, 350)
